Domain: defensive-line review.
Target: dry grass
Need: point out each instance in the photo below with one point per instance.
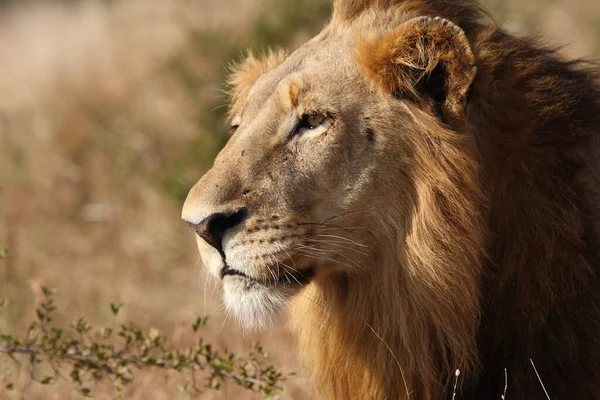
(105, 121)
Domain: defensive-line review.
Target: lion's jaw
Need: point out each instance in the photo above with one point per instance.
(257, 281)
(253, 301)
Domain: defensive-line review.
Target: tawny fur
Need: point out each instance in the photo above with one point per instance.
(484, 253)
(244, 74)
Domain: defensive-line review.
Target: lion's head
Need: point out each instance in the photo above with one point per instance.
(352, 190)
(322, 174)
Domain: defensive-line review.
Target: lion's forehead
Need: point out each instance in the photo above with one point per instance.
(325, 68)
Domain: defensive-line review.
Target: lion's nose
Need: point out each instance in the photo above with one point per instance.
(214, 228)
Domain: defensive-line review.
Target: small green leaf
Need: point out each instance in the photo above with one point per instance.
(5, 338)
(47, 291)
(200, 322)
(85, 391)
(82, 325)
(75, 376)
(10, 386)
(180, 388)
(46, 380)
(3, 253)
(106, 332)
(115, 308)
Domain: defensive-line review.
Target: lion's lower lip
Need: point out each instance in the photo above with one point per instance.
(227, 271)
(296, 277)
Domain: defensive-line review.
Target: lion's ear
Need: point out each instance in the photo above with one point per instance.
(424, 59)
(244, 74)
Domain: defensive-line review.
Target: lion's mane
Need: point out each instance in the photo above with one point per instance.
(500, 262)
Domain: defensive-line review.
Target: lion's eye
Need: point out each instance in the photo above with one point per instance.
(313, 121)
(310, 120)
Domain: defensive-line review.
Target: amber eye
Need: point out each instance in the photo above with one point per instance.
(310, 120)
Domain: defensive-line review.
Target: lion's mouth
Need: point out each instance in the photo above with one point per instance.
(296, 277)
(227, 271)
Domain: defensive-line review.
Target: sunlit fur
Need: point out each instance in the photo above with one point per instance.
(243, 75)
(449, 227)
(256, 307)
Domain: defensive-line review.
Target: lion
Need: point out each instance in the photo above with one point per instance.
(420, 191)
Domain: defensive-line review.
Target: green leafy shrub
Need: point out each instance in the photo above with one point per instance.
(92, 355)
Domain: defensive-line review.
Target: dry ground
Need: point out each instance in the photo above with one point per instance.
(108, 113)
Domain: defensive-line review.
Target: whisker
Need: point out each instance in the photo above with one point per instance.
(331, 250)
(330, 226)
(218, 107)
(340, 228)
(227, 314)
(334, 247)
(341, 245)
(291, 274)
(205, 289)
(215, 286)
(273, 273)
(327, 259)
(336, 217)
(343, 238)
(311, 248)
(311, 252)
(349, 259)
(279, 268)
(286, 252)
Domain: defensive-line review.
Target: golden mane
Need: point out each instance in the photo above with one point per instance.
(440, 257)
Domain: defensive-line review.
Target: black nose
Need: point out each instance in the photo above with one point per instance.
(213, 228)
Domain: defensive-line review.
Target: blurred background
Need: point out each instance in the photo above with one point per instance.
(110, 110)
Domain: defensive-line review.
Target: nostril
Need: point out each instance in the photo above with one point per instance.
(213, 228)
(236, 218)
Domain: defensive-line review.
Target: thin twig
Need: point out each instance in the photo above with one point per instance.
(505, 384)
(393, 355)
(456, 375)
(540, 379)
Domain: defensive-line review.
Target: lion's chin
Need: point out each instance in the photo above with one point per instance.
(255, 304)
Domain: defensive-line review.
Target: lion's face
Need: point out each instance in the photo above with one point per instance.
(317, 168)
(301, 178)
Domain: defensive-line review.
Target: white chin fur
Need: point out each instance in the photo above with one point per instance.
(253, 304)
